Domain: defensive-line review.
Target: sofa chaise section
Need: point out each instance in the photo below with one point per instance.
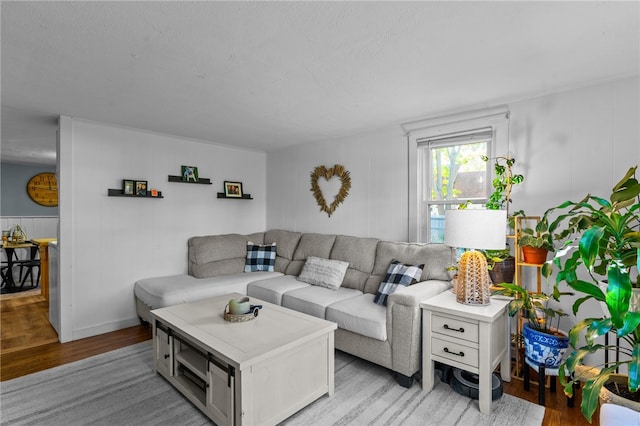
(158, 292)
(215, 267)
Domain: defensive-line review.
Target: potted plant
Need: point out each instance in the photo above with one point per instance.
(536, 243)
(544, 342)
(501, 265)
(602, 242)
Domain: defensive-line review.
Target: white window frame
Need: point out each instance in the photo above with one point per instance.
(418, 131)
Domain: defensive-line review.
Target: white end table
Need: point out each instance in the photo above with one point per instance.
(470, 337)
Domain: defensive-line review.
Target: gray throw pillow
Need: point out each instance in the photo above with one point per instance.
(323, 272)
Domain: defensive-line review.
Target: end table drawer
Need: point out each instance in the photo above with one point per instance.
(455, 352)
(455, 328)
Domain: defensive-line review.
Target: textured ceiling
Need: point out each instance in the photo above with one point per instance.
(266, 75)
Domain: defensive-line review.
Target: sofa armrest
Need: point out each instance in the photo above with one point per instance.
(404, 323)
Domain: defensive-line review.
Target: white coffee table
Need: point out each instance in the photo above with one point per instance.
(257, 372)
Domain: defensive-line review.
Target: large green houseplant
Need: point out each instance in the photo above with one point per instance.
(601, 242)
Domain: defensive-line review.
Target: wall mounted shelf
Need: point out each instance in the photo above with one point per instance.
(120, 193)
(201, 181)
(244, 196)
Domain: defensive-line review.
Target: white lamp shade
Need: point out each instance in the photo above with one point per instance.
(475, 228)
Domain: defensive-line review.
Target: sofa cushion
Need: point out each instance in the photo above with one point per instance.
(214, 255)
(287, 241)
(159, 292)
(435, 257)
(260, 258)
(398, 274)
(271, 289)
(323, 272)
(318, 245)
(360, 315)
(360, 253)
(313, 300)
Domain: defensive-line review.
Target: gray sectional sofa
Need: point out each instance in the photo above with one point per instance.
(386, 335)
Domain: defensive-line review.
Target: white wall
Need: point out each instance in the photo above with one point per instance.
(566, 144)
(572, 143)
(107, 243)
(377, 204)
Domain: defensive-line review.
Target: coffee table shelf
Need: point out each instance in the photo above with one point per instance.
(194, 361)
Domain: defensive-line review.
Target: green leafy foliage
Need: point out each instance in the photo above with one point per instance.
(502, 182)
(534, 306)
(601, 238)
(538, 237)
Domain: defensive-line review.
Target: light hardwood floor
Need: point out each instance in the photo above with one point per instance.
(28, 344)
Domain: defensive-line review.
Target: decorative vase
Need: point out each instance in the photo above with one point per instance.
(503, 272)
(18, 235)
(543, 348)
(534, 255)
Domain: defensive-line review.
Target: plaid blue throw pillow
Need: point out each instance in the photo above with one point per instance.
(398, 274)
(260, 258)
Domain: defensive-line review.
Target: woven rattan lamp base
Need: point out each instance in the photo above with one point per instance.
(474, 284)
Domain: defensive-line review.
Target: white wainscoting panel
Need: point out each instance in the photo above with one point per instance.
(34, 226)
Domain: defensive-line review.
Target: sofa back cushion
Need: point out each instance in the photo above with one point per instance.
(315, 245)
(214, 255)
(435, 257)
(286, 243)
(360, 253)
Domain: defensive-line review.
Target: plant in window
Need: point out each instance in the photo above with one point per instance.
(501, 264)
(502, 182)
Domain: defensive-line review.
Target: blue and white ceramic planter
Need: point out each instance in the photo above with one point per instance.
(544, 349)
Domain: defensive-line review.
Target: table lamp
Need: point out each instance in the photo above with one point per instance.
(474, 229)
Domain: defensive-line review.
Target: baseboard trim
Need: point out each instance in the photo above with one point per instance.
(82, 333)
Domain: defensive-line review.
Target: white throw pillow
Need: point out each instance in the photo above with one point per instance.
(323, 272)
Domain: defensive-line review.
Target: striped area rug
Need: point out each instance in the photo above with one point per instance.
(120, 388)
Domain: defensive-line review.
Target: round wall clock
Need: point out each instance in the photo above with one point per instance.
(43, 189)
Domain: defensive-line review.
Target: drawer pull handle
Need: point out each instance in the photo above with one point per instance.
(459, 330)
(453, 353)
(166, 356)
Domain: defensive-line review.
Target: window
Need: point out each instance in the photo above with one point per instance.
(446, 167)
(452, 172)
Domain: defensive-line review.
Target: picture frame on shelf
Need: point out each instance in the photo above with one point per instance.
(141, 188)
(127, 187)
(232, 189)
(189, 173)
